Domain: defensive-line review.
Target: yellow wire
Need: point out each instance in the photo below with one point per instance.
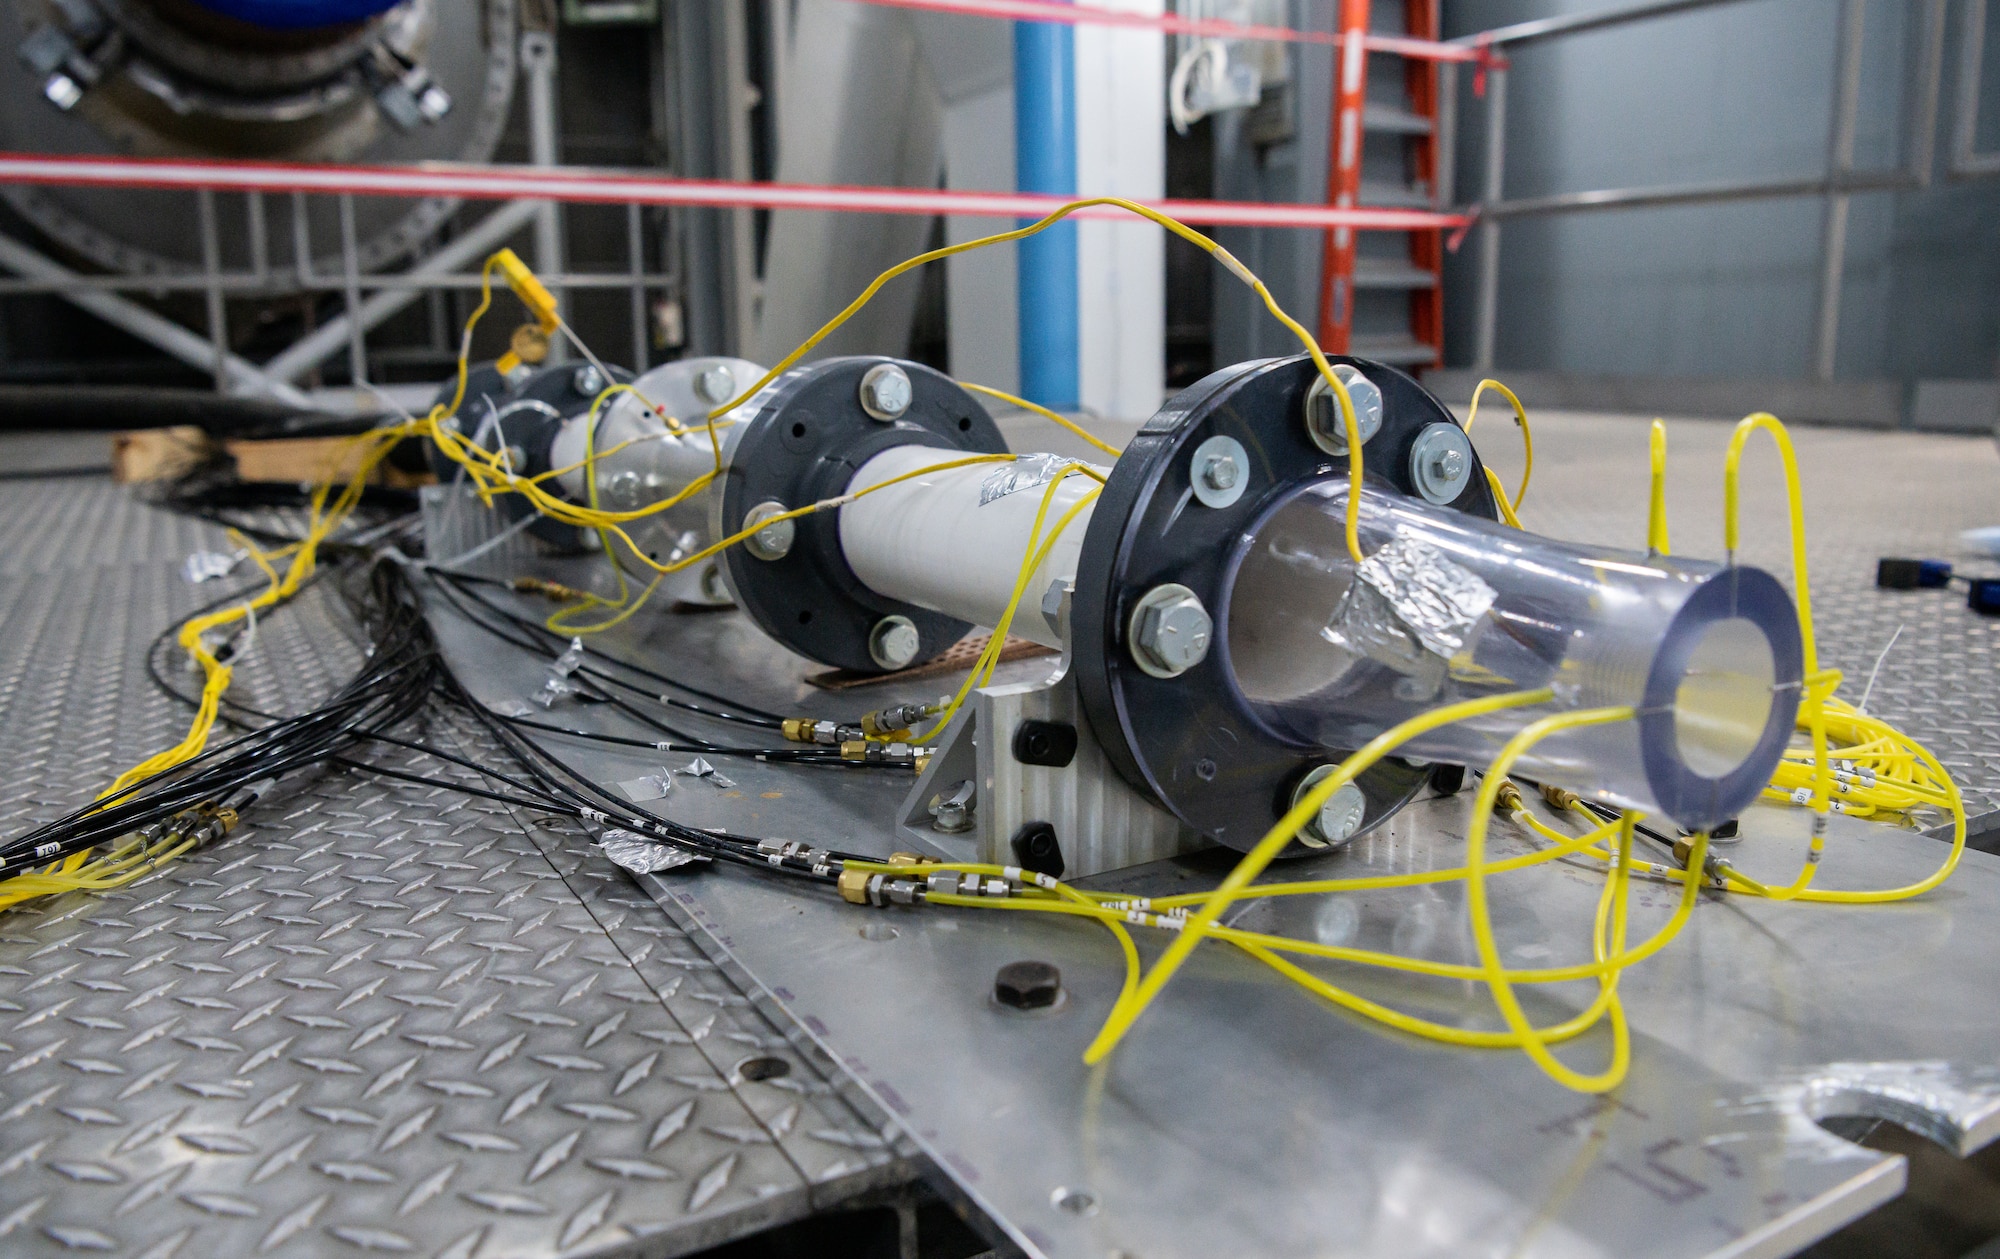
(1229, 262)
(1656, 503)
(1816, 686)
(1042, 411)
(1125, 1013)
(1494, 971)
(1521, 421)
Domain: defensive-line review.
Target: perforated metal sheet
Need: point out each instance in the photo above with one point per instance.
(382, 1017)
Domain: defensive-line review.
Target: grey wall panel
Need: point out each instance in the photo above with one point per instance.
(1734, 92)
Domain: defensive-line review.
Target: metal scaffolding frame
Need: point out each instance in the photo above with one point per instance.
(1837, 183)
(716, 277)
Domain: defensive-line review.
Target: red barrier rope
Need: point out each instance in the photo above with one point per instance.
(1174, 24)
(585, 186)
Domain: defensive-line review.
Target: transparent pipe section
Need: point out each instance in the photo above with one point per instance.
(1449, 607)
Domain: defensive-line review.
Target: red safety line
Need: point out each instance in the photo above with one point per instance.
(582, 185)
(1174, 24)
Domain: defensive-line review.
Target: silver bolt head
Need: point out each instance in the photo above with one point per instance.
(716, 384)
(1221, 472)
(894, 642)
(1323, 419)
(773, 541)
(1341, 815)
(1441, 462)
(885, 391)
(588, 381)
(1175, 634)
(623, 488)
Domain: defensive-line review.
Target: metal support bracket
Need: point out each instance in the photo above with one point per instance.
(1101, 822)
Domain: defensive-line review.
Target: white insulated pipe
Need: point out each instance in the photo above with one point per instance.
(953, 540)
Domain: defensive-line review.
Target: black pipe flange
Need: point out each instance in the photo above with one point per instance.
(529, 416)
(808, 437)
(1188, 738)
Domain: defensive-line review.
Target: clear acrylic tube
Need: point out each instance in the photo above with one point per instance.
(1451, 607)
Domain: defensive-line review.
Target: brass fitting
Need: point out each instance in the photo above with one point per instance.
(911, 859)
(1558, 798)
(1507, 799)
(553, 590)
(798, 729)
(854, 886)
(854, 750)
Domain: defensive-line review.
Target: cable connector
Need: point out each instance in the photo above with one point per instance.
(1558, 798)
(1507, 799)
(552, 590)
(1713, 868)
(868, 887)
(890, 755)
(812, 730)
(534, 295)
(898, 721)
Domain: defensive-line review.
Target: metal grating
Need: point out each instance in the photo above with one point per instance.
(382, 1017)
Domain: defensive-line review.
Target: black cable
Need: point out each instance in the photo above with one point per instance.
(748, 711)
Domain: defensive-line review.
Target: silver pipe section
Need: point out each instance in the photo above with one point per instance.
(954, 540)
(640, 459)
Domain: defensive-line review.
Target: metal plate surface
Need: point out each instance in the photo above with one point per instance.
(1240, 1118)
(1245, 1118)
(1297, 1129)
(381, 1017)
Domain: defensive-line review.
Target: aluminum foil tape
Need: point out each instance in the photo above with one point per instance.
(1410, 607)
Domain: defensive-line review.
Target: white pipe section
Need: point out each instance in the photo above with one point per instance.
(954, 540)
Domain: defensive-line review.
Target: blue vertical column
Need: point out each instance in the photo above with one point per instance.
(1045, 161)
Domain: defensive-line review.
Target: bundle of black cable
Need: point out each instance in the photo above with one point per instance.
(402, 676)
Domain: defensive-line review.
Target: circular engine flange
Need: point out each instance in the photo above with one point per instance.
(1189, 741)
(528, 417)
(809, 436)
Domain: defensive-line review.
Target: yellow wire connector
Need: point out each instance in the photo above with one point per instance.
(540, 303)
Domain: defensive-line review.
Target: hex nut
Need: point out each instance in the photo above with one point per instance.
(885, 391)
(1441, 462)
(1219, 471)
(1340, 815)
(1027, 985)
(1323, 420)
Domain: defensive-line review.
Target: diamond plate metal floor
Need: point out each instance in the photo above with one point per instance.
(381, 1017)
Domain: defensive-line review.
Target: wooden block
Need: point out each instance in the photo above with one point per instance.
(158, 454)
(311, 460)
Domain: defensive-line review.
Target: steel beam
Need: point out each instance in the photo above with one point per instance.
(167, 335)
(331, 337)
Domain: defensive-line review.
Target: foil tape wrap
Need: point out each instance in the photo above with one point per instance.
(641, 855)
(1025, 473)
(1410, 607)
